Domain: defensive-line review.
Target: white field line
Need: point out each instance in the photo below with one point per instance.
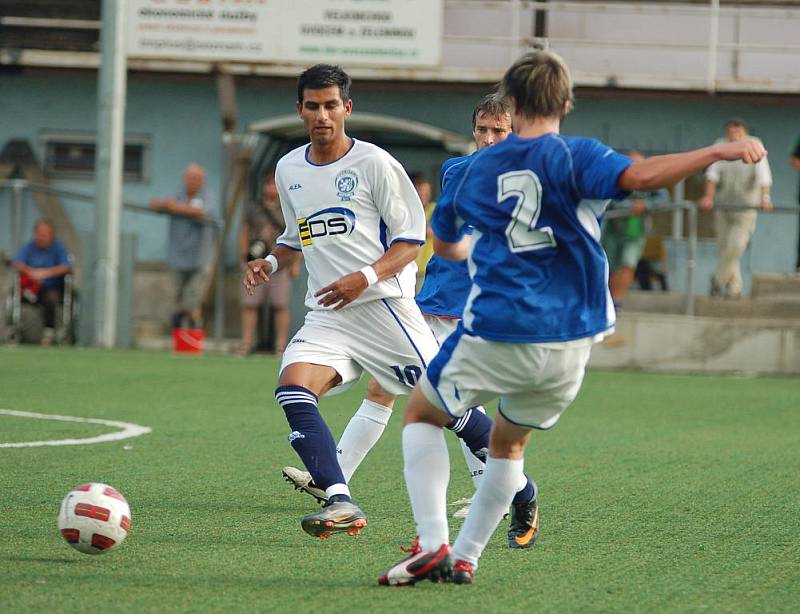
(128, 430)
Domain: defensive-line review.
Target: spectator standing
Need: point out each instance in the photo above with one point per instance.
(624, 237)
(795, 160)
(262, 225)
(188, 247)
(736, 190)
(42, 264)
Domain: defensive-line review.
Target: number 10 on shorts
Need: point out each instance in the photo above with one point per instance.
(408, 375)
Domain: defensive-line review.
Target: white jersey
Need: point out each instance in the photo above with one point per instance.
(344, 215)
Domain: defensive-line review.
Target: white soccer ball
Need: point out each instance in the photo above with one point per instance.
(94, 518)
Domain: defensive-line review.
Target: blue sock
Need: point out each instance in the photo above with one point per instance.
(311, 438)
(474, 427)
(526, 494)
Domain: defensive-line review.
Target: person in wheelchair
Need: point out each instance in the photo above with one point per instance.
(42, 263)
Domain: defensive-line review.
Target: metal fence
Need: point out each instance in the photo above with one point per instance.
(17, 203)
(690, 208)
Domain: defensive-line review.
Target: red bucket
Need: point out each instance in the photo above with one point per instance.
(188, 340)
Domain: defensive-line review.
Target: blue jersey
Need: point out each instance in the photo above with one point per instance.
(539, 274)
(39, 258)
(446, 287)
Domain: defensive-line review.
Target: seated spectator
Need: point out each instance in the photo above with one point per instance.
(189, 243)
(624, 237)
(263, 224)
(42, 263)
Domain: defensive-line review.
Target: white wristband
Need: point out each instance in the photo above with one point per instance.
(273, 262)
(370, 274)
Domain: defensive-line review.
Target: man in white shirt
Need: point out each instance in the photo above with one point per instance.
(352, 211)
(736, 191)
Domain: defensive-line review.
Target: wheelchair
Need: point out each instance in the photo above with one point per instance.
(25, 320)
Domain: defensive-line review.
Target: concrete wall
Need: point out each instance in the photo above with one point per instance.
(657, 342)
(180, 116)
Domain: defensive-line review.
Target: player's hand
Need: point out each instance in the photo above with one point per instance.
(765, 204)
(343, 291)
(748, 151)
(705, 202)
(255, 274)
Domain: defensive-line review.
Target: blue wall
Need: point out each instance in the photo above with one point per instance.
(180, 116)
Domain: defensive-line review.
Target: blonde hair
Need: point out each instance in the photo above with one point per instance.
(540, 83)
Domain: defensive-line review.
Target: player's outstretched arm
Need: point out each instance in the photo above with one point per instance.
(259, 270)
(664, 171)
(348, 288)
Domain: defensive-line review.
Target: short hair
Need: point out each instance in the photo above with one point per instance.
(491, 105)
(417, 178)
(540, 83)
(320, 76)
(735, 122)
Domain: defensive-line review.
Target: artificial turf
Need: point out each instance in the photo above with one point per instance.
(658, 492)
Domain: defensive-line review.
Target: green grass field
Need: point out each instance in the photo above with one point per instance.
(658, 492)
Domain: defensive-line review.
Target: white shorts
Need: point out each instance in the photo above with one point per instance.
(534, 383)
(441, 328)
(387, 338)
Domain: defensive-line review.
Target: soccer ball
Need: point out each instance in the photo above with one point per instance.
(94, 518)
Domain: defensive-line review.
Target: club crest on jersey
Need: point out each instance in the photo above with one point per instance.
(346, 184)
(330, 222)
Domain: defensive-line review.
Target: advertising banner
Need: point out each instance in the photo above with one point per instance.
(367, 32)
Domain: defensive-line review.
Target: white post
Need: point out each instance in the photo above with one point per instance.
(515, 23)
(713, 43)
(108, 167)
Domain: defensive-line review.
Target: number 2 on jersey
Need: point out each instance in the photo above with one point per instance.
(521, 232)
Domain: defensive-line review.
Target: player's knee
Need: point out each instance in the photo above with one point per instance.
(377, 394)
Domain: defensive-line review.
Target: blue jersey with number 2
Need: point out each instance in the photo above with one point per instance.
(539, 274)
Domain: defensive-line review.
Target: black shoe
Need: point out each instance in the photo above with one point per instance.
(524, 525)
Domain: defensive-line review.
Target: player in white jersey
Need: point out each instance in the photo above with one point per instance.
(441, 301)
(354, 214)
(539, 300)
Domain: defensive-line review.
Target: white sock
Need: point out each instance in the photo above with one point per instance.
(427, 472)
(474, 464)
(360, 435)
(337, 489)
(500, 482)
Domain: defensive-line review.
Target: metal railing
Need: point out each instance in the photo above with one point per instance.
(691, 210)
(18, 188)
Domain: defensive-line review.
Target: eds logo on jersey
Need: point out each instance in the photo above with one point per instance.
(346, 184)
(329, 222)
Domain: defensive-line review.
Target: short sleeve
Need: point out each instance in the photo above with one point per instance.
(445, 221)
(23, 254)
(597, 168)
(712, 172)
(291, 235)
(397, 202)
(763, 173)
(62, 255)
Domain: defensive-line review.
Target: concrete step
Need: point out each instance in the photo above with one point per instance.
(768, 284)
(783, 306)
(673, 343)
